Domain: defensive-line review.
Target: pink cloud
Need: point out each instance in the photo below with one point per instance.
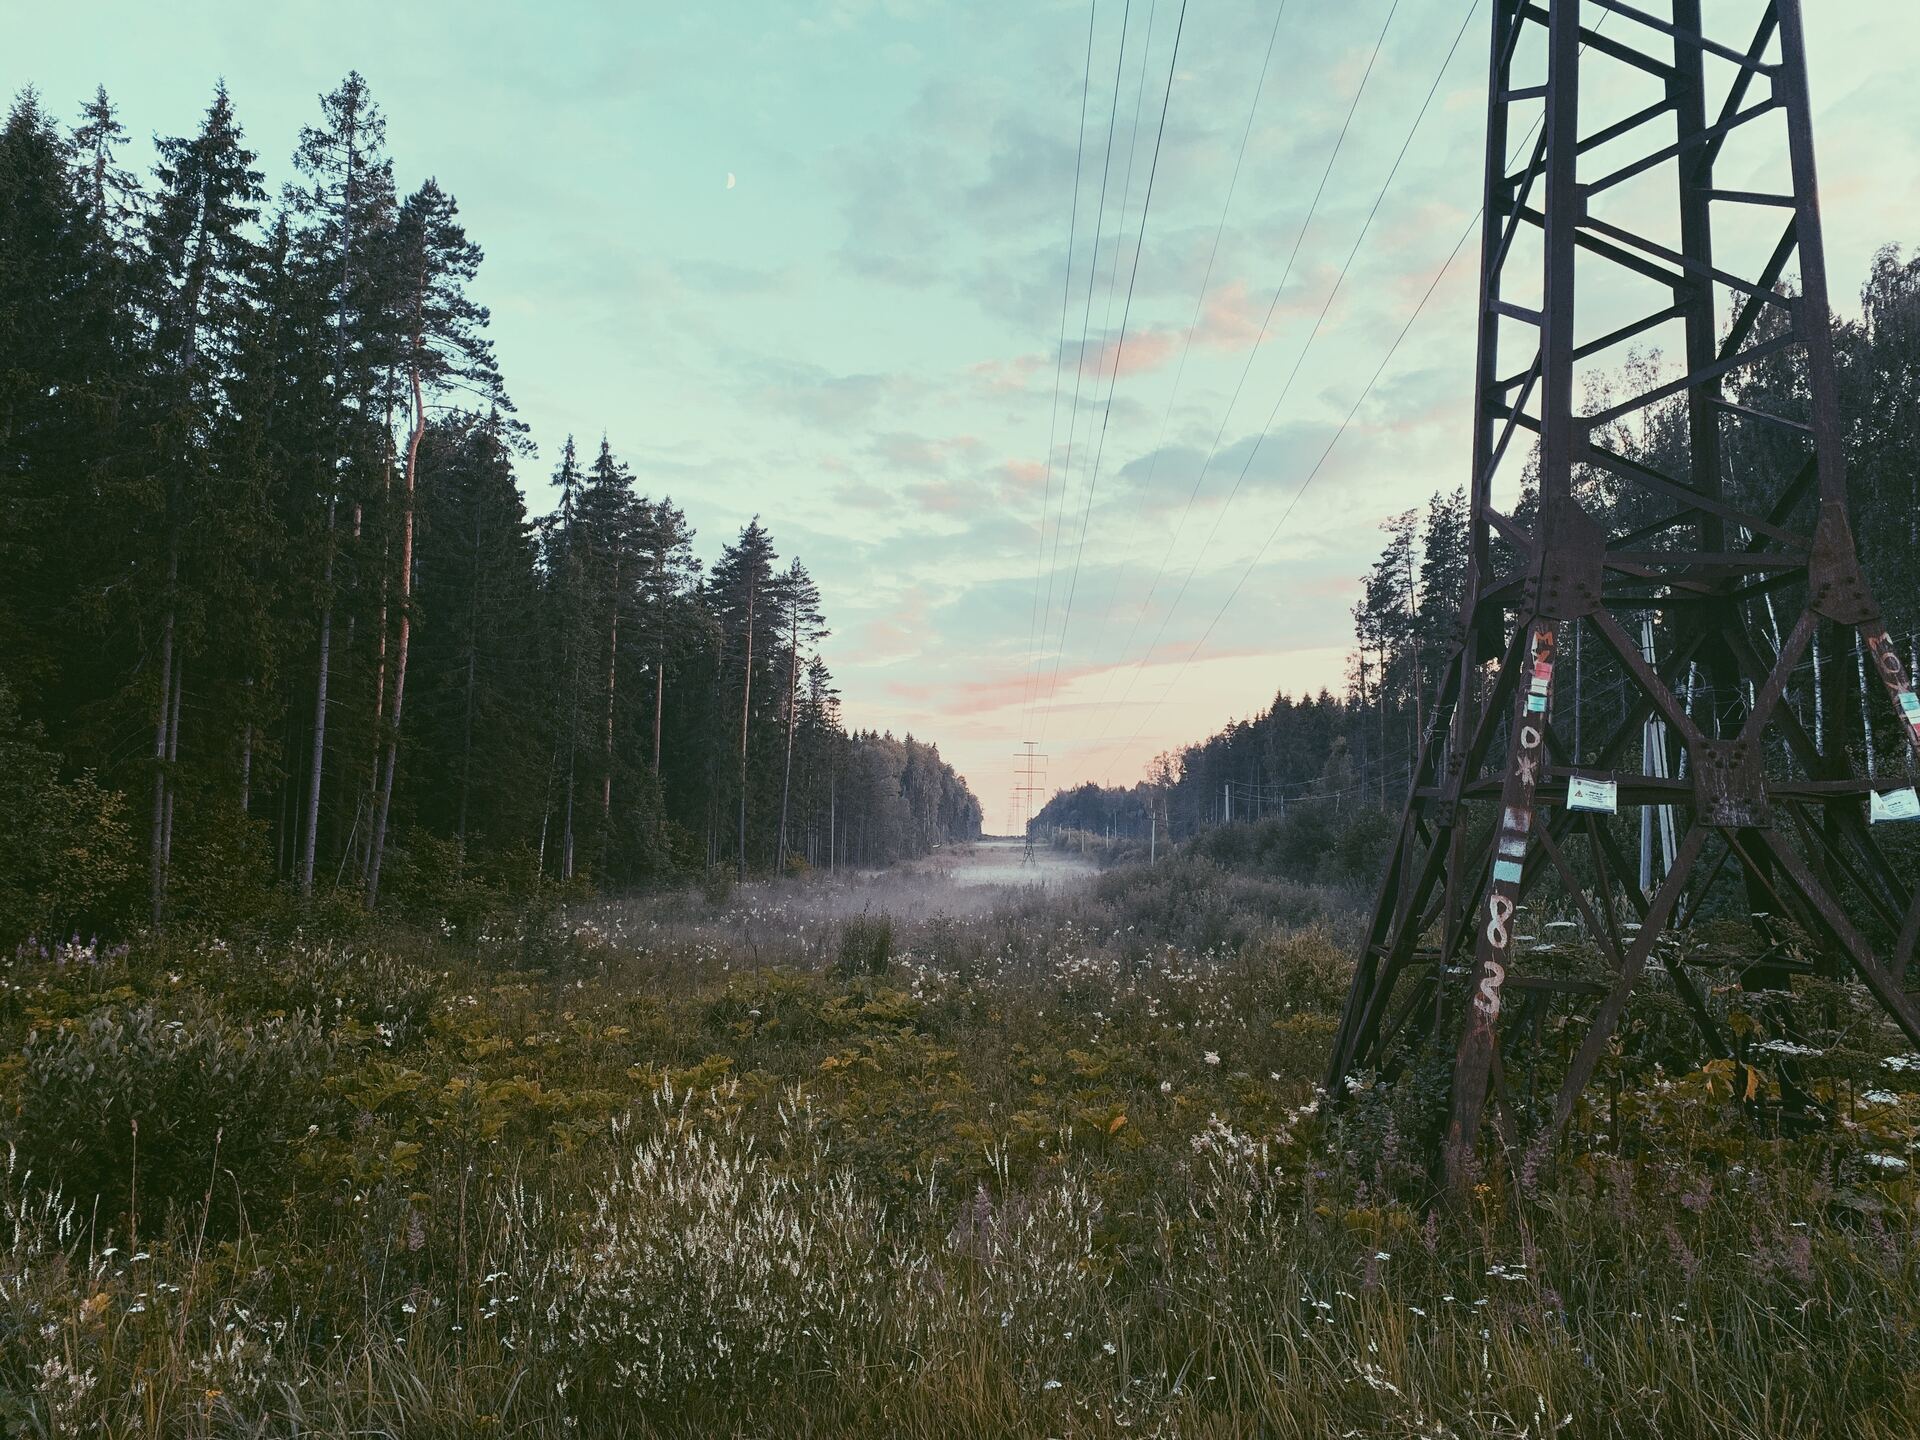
(884, 640)
(1005, 376)
(904, 450)
(983, 697)
(1018, 480)
(1230, 317)
(1136, 354)
(942, 497)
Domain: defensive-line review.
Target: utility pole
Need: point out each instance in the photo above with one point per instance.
(1028, 783)
(1488, 815)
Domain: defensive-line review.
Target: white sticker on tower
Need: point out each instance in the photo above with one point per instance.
(1893, 805)
(1602, 796)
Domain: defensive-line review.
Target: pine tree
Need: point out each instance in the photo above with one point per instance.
(799, 601)
(444, 352)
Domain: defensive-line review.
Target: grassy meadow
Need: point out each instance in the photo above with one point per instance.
(895, 1158)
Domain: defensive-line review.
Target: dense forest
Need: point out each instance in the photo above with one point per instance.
(275, 619)
(1337, 765)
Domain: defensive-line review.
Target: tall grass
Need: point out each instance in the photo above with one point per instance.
(1054, 1170)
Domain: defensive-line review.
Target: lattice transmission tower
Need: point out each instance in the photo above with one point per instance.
(1690, 535)
(1030, 780)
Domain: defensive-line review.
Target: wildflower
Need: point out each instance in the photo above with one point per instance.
(1166, 1087)
(1788, 1047)
(1213, 1057)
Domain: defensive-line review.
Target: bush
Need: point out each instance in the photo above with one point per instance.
(866, 945)
(66, 853)
(716, 886)
(373, 986)
(132, 1106)
(433, 881)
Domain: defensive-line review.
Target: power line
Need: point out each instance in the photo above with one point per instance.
(1200, 300)
(1252, 354)
(1059, 361)
(1526, 140)
(1299, 360)
(1113, 384)
(1080, 359)
(1380, 369)
(1038, 658)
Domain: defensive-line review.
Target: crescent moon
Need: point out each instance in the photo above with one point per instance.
(729, 179)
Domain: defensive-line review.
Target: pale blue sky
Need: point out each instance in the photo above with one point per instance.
(858, 340)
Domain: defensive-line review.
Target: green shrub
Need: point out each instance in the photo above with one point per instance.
(716, 886)
(66, 853)
(133, 1106)
(866, 945)
(371, 985)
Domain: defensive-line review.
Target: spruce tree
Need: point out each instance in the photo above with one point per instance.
(565, 565)
(346, 207)
(612, 519)
(195, 277)
(738, 595)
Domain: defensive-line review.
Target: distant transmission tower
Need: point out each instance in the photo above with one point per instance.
(1726, 556)
(1030, 777)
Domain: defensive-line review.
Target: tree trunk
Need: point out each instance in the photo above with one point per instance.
(319, 708)
(793, 696)
(573, 748)
(746, 698)
(566, 844)
(379, 693)
(466, 760)
(378, 847)
(157, 857)
(659, 704)
(466, 726)
(613, 661)
(173, 755)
